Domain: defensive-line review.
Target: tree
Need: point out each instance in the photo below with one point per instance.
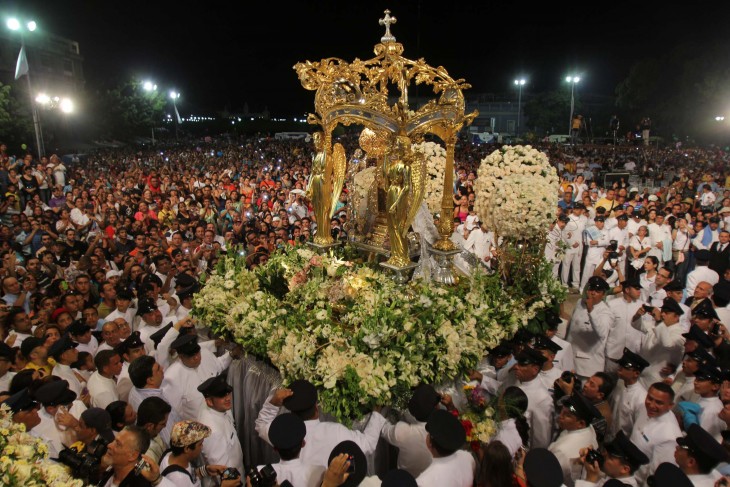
(550, 111)
(127, 110)
(16, 126)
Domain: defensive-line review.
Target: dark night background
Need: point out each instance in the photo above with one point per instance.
(223, 54)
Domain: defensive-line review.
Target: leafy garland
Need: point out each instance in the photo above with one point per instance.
(351, 331)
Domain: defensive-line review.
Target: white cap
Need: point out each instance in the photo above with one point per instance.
(112, 273)
(653, 197)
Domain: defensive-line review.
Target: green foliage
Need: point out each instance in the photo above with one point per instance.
(550, 111)
(128, 110)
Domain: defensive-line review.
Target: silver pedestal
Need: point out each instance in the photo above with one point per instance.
(401, 275)
(444, 272)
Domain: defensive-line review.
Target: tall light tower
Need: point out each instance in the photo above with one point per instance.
(572, 80)
(22, 69)
(174, 96)
(150, 87)
(519, 83)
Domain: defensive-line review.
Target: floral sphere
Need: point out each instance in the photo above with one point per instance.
(515, 191)
(435, 163)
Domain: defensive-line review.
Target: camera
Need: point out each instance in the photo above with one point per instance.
(613, 255)
(84, 461)
(647, 308)
(232, 473)
(266, 477)
(594, 456)
(612, 246)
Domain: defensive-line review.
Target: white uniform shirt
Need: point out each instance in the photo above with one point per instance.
(90, 347)
(564, 358)
(102, 390)
(622, 334)
(66, 373)
(705, 480)
(661, 345)
(711, 407)
(180, 384)
(298, 473)
(509, 436)
(539, 413)
(626, 403)
(480, 243)
(322, 437)
(684, 388)
(51, 434)
(223, 446)
(456, 470)
(700, 274)
(588, 333)
(410, 439)
(657, 438)
(124, 383)
(568, 444)
(5, 381)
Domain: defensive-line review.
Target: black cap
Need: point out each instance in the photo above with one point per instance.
(702, 356)
(184, 280)
(523, 336)
(61, 345)
(78, 328)
(446, 430)
(622, 447)
(704, 310)
(501, 350)
(708, 372)
(358, 462)
(125, 295)
(597, 283)
(20, 401)
(674, 286)
(186, 344)
(669, 474)
(131, 342)
(721, 290)
(544, 343)
(703, 447)
(579, 206)
(714, 219)
(422, 403)
(703, 255)
(542, 468)
(615, 483)
(101, 421)
(696, 334)
(55, 393)
(215, 387)
(631, 360)
(30, 344)
(6, 351)
(287, 431)
(582, 408)
(671, 306)
(552, 319)
(304, 397)
(530, 356)
(563, 218)
(145, 306)
(632, 282)
(624, 217)
(398, 478)
(599, 218)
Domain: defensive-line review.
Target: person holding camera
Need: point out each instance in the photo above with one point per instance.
(126, 465)
(186, 444)
(574, 421)
(622, 334)
(629, 394)
(619, 460)
(662, 344)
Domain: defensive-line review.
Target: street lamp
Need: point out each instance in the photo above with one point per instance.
(22, 69)
(719, 118)
(519, 83)
(149, 86)
(175, 95)
(572, 80)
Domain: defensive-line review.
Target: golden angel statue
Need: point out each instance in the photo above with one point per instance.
(397, 173)
(319, 193)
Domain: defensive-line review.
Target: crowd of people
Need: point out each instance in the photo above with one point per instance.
(102, 255)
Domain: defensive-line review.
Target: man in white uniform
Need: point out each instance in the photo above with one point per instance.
(193, 367)
(573, 237)
(622, 334)
(621, 459)
(597, 241)
(103, 383)
(698, 454)
(451, 465)
(287, 434)
(629, 395)
(662, 344)
(574, 421)
(59, 414)
(707, 386)
(223, 447)
(301, 399)
(64, 353)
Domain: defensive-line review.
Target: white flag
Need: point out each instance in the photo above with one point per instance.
(177, 116)
(21, 68)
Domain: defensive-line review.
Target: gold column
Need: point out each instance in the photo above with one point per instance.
(446, 226)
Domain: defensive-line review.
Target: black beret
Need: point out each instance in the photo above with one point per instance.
(55, 393)
(446, 430)
(631, 360)
(186, 344)
(131, 342)
(542, 468)
(522, 336)
(674, 286)
(61, 345)
(304, 397)
(423, 401)
(622, 447)
(530, 356)
(696, 334)
(358, 462)
(145, 306)
(215, 387)
(287, 431)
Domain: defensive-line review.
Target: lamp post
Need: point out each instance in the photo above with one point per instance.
(519, 83)
(572, 80)
(150, 87)
(30, 26)
(175, 95)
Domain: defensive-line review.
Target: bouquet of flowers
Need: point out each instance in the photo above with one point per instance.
(515, 191)
(435, 163)
(478, 420)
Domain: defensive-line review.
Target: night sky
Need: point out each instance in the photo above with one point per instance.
(223, 54)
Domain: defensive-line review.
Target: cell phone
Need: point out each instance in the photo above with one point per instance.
(715, 329)
(140, 465)
(647, 308)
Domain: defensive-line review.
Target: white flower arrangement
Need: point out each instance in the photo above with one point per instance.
(435, 167)
(515, 192)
